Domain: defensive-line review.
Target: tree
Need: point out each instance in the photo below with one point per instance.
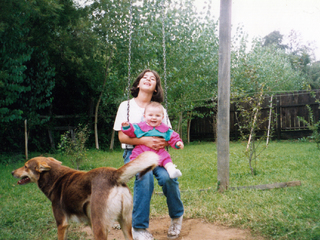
(313, 72)
(26, 77)
(256, 73)
(274, 38)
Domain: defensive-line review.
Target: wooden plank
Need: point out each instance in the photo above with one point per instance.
(269, 186)
(258, 187)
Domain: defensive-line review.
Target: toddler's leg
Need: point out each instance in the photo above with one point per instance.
(172, 171)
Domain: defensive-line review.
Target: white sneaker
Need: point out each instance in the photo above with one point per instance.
(141, 234)
(172, 171)
(175, 228)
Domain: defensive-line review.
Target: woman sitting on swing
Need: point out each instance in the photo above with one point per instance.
(147, 88)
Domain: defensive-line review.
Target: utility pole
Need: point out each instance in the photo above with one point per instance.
(223, 122)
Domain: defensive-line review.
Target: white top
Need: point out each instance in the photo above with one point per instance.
(135, 116)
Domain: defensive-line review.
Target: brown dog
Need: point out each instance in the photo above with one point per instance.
(98, 197)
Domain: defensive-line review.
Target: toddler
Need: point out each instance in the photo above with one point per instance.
(153, 126)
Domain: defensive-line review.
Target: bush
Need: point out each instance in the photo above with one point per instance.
(73, 143)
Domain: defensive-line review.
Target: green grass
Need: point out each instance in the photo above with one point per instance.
(286, 213)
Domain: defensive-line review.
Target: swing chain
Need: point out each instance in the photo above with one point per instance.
(164, 57)
(129, 59)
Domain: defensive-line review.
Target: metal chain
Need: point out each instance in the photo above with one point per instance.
(129, 59)
(164, 58)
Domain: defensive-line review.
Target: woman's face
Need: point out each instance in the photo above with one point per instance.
(148, 82)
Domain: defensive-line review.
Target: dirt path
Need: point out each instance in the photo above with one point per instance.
(192, 229)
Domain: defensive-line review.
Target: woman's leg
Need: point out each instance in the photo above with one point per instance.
(143, 189)
(170, 188)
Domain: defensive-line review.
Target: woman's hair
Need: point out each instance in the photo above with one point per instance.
(157, 95)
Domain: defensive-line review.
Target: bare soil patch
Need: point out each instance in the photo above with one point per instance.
(192, 229)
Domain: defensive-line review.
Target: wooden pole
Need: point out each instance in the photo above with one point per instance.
(223, 122)
(269, 124)
(26, 138)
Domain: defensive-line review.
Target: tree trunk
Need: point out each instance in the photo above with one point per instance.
(26, 138)
(99, 100)
(189, 126)
(254, 121)
(180, 125)
(112, 140)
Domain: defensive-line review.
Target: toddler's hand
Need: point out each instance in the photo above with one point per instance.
(125, 124)
(180, 145)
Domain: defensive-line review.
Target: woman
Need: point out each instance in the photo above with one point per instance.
(147, 88)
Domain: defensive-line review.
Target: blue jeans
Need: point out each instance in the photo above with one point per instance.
(143, 189)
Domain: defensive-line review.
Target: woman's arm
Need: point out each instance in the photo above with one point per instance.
(155, 143)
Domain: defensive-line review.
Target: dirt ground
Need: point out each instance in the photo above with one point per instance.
(192, 229)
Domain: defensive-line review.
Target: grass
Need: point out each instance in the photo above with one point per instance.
(286, 213)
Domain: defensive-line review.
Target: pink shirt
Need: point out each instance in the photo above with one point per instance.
(144, 130)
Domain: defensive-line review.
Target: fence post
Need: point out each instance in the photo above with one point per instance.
(278, 119)
(26, 139)
(223, 126)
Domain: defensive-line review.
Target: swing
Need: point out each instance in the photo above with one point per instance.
(164, 60)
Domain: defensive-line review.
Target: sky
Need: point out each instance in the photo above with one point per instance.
(261, 17)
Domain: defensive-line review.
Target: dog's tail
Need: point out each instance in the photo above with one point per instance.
(142, 164)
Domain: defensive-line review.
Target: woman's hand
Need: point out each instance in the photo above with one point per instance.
(155, 143)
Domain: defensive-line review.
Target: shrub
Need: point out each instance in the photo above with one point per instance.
(73, 143)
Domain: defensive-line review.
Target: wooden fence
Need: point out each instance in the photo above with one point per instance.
(287, 107)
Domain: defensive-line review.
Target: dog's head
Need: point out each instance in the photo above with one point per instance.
(31, 170)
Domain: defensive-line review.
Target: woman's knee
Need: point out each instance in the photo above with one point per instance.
(164, 178)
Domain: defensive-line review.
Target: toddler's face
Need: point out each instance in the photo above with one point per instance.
(153, 116)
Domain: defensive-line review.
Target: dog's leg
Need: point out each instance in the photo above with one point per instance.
(99, 222)
(62, 232)
(125, 219)
(126, 227)
(99, 229)
(62, 222)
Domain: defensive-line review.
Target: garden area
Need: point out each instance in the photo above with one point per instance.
(282, 213)
(65, 67)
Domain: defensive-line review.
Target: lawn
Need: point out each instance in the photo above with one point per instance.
(284, 213)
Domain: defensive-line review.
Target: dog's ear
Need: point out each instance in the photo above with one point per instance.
(54, 160)
(42, 167)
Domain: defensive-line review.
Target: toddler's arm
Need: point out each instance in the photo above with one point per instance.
(128, 129)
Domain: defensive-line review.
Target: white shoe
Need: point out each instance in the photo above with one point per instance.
(175, 228)
(173, 172)
(141, 234)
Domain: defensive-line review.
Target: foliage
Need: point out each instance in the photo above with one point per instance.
(268, 67)
(26, 75)
(192, 61)
(254, 74)
(313, 72)
(313, 126)
(274, 38)
(73, 143)
(251, 124)
(53, 62)
(301, 56)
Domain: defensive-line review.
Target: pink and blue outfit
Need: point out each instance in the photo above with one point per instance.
(142, 129)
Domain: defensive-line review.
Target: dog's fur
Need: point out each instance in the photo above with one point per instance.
(98, 197)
